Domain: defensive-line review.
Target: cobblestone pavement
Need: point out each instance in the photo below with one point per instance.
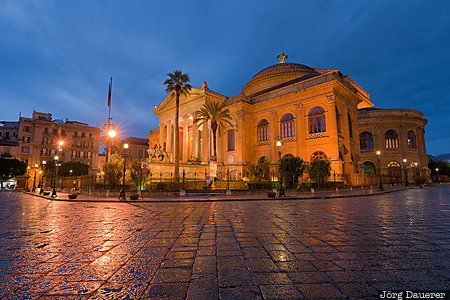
(314, 248)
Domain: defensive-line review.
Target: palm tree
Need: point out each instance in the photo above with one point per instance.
(218, 115)
(178, 83)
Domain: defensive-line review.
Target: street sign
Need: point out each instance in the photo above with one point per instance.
(144, 167)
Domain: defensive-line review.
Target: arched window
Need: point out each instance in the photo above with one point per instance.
(366, 141)
(391, 139)
(317, 120)
(369, 168)
(394, 169)
(338, 120)
(287, 126)
(350, 125)
(263, 160)
(412, 143)
(263, 131)
(319, 155)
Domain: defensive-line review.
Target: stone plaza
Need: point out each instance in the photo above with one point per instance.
(280, 249)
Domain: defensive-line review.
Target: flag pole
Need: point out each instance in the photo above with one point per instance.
(108, 153)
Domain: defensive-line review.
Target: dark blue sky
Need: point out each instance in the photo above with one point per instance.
(57, 56)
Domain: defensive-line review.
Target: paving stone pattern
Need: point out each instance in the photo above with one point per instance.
(315, 248)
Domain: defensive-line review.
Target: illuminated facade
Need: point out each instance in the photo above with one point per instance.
(314, 112)
(37, 140)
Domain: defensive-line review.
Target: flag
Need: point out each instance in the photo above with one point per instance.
(109, 92)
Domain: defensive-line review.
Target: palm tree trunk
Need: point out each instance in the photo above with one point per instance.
(214, 131)
(176, 170)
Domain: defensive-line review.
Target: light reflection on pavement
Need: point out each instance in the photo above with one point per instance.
(329, 248)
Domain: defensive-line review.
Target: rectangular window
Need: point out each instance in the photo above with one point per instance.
(90, 135)
(27, 129)
(75, 134)
(55, 131)
(25, 149)
(82, 154)
(45, 141)
(89, 154)
(28, 139)
(0, 133)
(83, 135)
(7, 135)
(74, 153)
(46, 130)
(231, 140)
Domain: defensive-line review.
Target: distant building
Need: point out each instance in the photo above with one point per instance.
(9, 138)
(137, 147)
(36, 140)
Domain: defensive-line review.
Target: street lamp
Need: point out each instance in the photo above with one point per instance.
(56, 174)
(122, 191)
(34, 181)
(42, 180)
(28, 169)
(279, 147)
(439, 177)
(111, 134)
(380, 187)
(406, 172)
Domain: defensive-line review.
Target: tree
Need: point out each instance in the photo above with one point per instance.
(218, 115)
(136, 174)
(11, 167)
(291, 168)
(77, 168)
(113, 173)
(178, 83)
(319, 170)
(255, 172)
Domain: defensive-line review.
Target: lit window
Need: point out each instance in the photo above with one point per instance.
(319, 155)
(391, 139)
(287, 126)
(317, 120)
(263, 131)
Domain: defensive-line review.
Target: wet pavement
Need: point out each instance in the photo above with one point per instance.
(308, 248)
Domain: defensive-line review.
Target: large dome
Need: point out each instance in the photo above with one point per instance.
(275, 75)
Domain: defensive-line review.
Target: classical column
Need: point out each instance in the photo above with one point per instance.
(300, 131)
(185, 142)
(170, 136)
(331, 127)
(205, 144)
(194, 150)
(274, 133)
(161, 134)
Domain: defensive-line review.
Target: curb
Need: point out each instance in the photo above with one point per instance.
(174, 200)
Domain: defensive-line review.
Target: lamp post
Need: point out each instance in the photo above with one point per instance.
(28, 169)
(439, 177)
(380, 187)
(406, 172)
(279, 147)
(111, 134)
(56, 174)
(41, 191)
(122, 191)
(34, 181)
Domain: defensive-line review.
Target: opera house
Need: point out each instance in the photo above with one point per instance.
(314, 112)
